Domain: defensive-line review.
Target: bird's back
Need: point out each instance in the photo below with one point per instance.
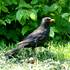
(37, 36)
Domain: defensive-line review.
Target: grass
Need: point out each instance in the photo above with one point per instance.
(54, 57)
(61, 50)
(55, 50)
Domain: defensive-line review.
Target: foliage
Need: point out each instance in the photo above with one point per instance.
(20, 17)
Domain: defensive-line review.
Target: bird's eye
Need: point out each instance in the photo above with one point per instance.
(48, 20)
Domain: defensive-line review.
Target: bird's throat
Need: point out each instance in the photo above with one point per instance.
(45, 25)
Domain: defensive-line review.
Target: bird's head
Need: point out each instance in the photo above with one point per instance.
(47, 20)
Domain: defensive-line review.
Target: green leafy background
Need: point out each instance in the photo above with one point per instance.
(18, 18)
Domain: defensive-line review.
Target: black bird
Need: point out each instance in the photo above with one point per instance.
(35, 38)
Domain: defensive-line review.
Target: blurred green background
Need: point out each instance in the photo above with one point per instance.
(18, 18)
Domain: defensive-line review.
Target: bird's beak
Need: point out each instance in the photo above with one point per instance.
(52, 20)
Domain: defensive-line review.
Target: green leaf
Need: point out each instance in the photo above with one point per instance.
(8, 21)
(24, 5)
(9, 18)
(25, 29)
(45, 10)
(59, 10)
(65, 16)
(10, 2)
(2, 22)
(34, 1)
(5, 9)
(19, 14)
(33, 24)
(53, 7)
(52, 32)
(69, 18)
(33, 15)
(54, 29)
(14, 2)
(22, 15)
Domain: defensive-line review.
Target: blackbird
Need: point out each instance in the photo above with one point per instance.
(35, 38)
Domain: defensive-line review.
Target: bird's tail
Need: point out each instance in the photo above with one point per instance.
(14, 51)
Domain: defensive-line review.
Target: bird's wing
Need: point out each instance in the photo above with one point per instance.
(34, 36)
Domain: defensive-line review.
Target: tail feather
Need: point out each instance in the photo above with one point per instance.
(14, 51)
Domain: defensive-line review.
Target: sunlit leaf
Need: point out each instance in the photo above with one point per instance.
(19, 14)
(34, 1)
(52, 32)
(22, 15)
(69, 19)
(8, 21)
(33, 15)
(65, 16)
(53, 7)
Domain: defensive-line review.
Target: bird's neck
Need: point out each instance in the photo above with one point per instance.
(45, 25)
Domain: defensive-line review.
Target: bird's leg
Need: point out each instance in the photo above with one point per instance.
(36, 45)
(33, 50)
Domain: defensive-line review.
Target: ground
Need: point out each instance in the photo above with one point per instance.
(58, 59)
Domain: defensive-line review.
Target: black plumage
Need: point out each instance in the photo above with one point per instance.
(35, 38)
